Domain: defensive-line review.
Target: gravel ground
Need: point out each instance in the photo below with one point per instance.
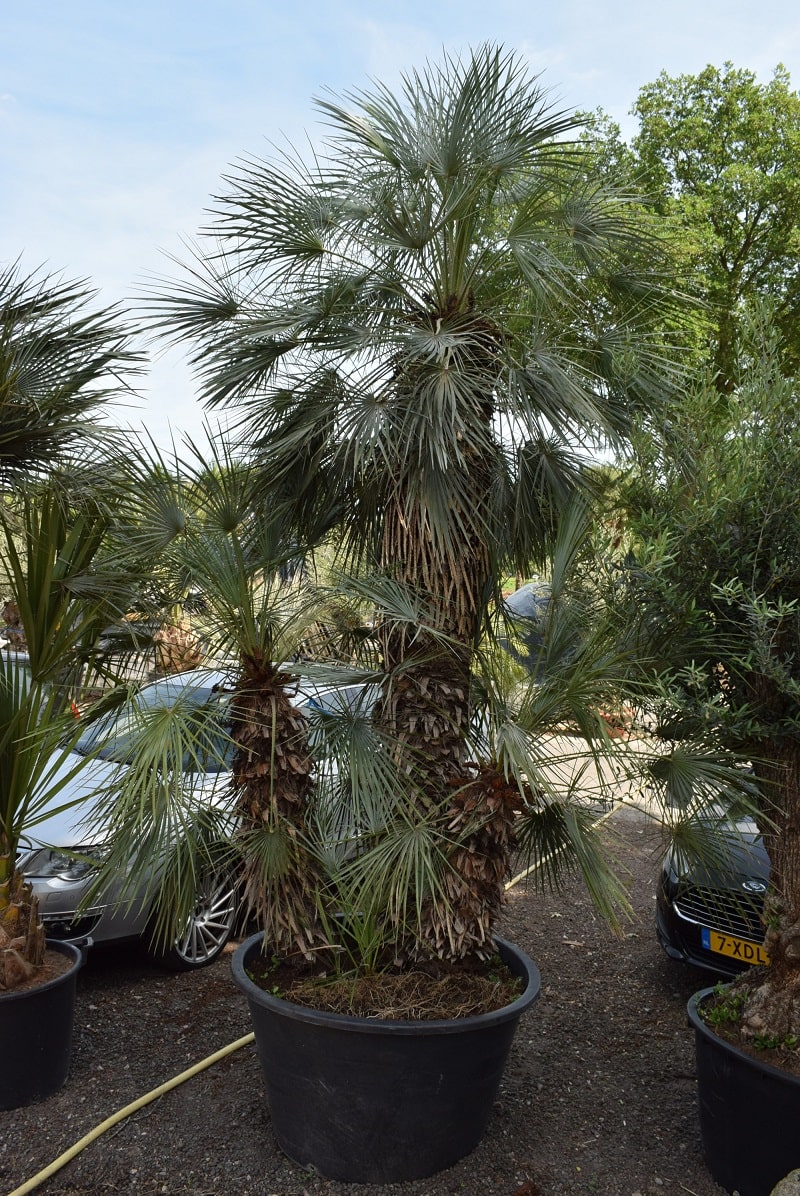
(598, 1096)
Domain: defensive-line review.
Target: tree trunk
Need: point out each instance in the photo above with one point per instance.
(772, 1008)
(426, 707)
(480, 822)
(425, 710)
(425, 713)
(22, 938)
(272, 777)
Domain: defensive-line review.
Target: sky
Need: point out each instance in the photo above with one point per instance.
(117, 121)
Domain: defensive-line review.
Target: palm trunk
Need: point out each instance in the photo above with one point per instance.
(272, 777)
(426, 706)
(426, 713)
(427, 710)
(22, 938)
(480, 823)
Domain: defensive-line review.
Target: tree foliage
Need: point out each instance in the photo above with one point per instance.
(719, 155)
(717, 586)
(444, 264)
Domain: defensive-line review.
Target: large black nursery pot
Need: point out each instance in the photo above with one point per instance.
(749, 1112)
(36, 1034)
(374, 1101)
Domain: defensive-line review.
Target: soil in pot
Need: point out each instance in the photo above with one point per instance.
(374, 1100)
(429, 991)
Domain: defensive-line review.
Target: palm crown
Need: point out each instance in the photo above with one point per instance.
(412, 325)
(61, 359)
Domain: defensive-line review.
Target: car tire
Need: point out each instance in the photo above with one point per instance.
(209, 927)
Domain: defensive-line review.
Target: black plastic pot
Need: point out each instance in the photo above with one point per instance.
(36, 1035)
(749, 1112)
(374, 1101)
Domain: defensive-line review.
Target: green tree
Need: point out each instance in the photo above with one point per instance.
(417, 332)
(61, 359)
(204, 521)
(717, 585)
(719, 154)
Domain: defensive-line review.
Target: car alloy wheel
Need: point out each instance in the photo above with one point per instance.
(210, 924)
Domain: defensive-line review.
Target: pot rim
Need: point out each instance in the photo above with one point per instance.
(708, 1032)
(364, 1025)
(63, 949)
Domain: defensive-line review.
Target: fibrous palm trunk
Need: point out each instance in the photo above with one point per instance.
(272, 778)
(427, 708)
(480, 823)
(426, 713)
(426, 703)
(22, 938)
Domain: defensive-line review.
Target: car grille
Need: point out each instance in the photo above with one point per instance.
(723, 910)
(64, 928)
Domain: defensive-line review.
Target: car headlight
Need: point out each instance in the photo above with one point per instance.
(65, 864)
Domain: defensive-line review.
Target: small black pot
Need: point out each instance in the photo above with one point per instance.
(749, 1112)
(374, 1101)
(36, 1035)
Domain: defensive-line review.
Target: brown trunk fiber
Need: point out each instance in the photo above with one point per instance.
(426, 707)
(773, 1001)
(22, 938)
(272, 777)
(425, 713)
(480, 821)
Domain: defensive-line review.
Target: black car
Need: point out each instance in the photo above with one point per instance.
(712, 916)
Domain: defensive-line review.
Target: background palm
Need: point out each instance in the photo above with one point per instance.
(61, 359)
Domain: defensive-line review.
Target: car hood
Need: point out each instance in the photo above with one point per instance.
(743, 857)
(57, 826)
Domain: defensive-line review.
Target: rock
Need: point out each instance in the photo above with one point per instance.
(790, 1186)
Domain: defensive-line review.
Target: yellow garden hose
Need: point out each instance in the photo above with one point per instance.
(121, 1114)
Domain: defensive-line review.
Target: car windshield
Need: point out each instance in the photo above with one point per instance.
(113, 737)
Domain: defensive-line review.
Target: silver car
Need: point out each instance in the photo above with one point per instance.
(56, 855)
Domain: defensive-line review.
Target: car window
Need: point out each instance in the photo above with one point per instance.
(349, 699)
(215, 751)
(113, 737)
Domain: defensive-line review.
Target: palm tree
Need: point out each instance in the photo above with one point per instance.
(61, 359)
(338, 847)
(329, 831)
(417, 334)
(200, 522)
(68, 589)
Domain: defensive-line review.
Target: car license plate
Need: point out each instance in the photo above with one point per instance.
(741, 949)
